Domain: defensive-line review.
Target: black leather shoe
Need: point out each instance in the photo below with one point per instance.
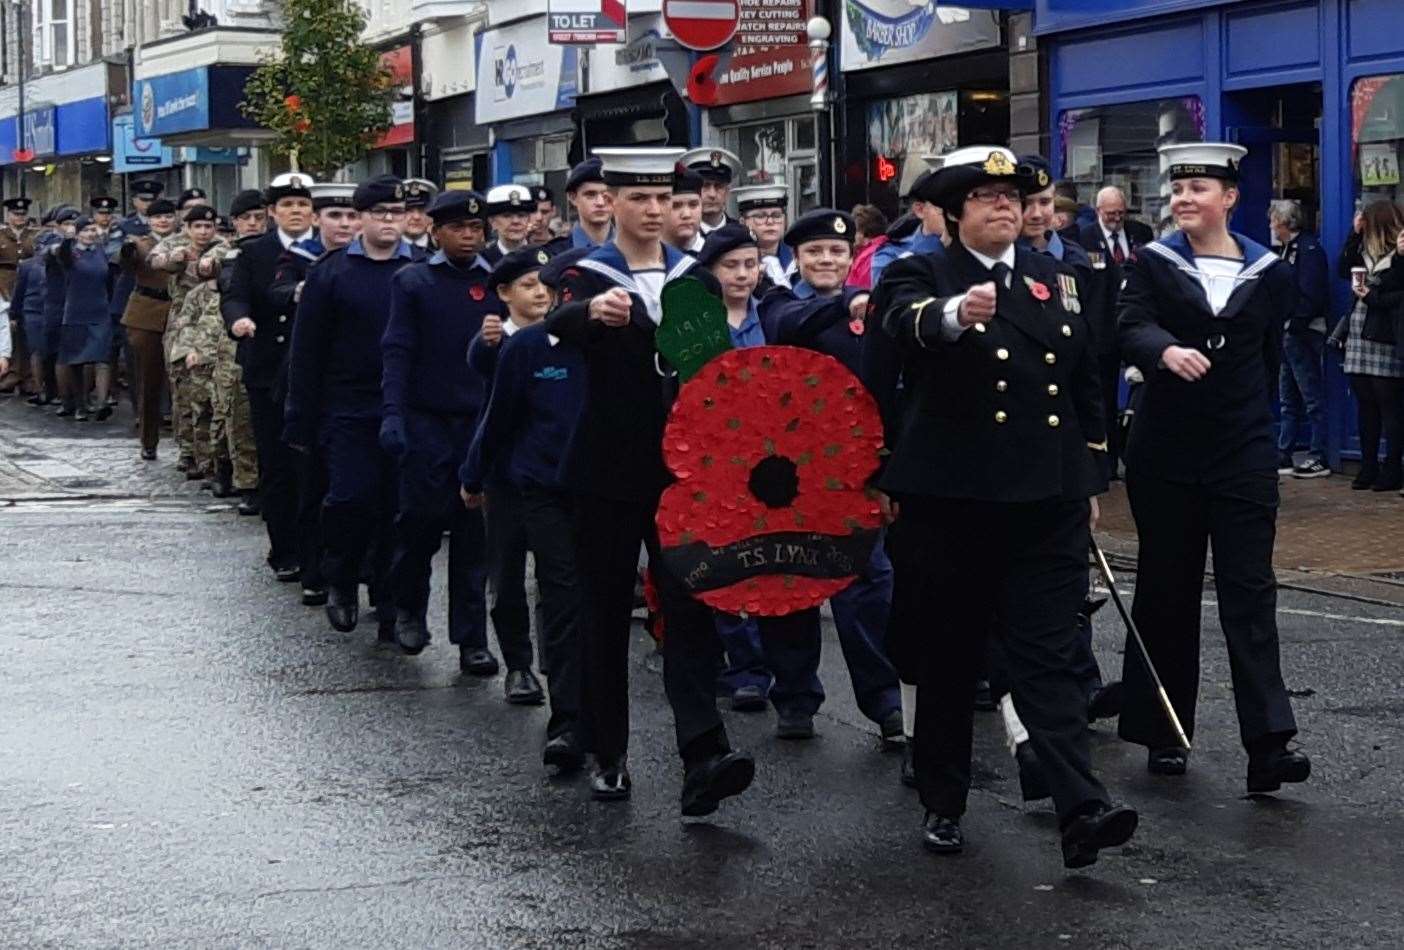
(1268, 771)
(562, 754)
(313, 596)
(476, 662)
(748, 699)
(287, 573)
(794, 725)
(941, 835)
(909, 778)
(65, 411)
(984, 699)
(1105, 702)
(224, 482)
(721, 776)
(522, 688)
(103, 414)
(148, 455)
(343, 609)
(412, 634)
(1102, 827)
(1033, 784)
(248, 503)
(611, 782)
(1171, 760)
(891, 727)
(385, 631)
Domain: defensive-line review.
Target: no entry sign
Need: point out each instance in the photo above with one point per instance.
(702, 24)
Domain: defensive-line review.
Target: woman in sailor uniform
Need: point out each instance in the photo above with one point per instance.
(1201, 316)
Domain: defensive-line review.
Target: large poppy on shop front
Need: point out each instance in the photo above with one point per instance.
(772, 448)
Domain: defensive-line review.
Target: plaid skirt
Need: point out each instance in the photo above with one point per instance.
(1366, 357)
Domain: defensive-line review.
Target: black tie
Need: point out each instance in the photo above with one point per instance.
(1001, 273)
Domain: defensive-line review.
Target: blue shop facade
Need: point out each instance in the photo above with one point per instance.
(1313, 88)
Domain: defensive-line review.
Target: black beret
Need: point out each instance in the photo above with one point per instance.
(552, 272)
(20, 205)
(686, 181)
(103, 203)
(1039, 170)
(723, 241)
(592, 169)
(542, 193)
(199, 213)
(458, 206)
(968, 168)
(147, 188)
(160, 206)
(192, 194)
(378, 190)
(821, 224)
(65, 213)
(246, 201)
(519, 263)
(82, 222)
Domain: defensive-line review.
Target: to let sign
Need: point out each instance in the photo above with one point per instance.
(702, 24)
(586, 22)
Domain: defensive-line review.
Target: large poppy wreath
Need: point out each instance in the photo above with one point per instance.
(771, 447)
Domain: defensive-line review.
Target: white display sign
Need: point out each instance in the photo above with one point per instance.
(520, 74)
(881, 32)
(633, 64)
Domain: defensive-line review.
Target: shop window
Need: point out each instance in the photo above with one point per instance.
(53, 32)
(900, 132)
(1116, 145)
(1377, 134)
(762, 149)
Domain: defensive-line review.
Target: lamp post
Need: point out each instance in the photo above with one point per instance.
(819, 32)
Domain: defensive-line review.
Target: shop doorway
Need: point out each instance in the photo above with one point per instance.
(1281, 127)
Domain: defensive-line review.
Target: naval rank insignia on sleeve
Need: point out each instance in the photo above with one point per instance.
(1067, 291)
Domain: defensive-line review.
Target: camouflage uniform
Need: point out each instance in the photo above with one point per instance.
(219, 404)
(182, 420)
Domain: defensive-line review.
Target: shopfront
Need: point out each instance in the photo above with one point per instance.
(626, 96)
(526, 91)
(64, 140)
(396, 152)
(457, 150)
(1314, 89)
(919, 80)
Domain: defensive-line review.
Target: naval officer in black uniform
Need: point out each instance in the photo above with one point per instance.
(611, 306)
(993, 466)
(1201, 316)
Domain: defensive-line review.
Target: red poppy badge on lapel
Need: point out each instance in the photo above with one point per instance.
(477, 292)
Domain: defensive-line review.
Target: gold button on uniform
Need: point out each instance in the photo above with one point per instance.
(1001, 386)
(1067, 330)
(1050, 358)
(1053, 421)
(1001, 416)
(1052, 389)
(1001, 354)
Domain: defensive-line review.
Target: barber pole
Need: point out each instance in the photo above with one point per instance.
(819, 30)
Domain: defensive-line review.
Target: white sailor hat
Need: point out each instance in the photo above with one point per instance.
(713, 164)
(1202, 160)
(756, 197)
(289, 185)
(332, 194)
(639, 166)
(967, 168)
(506, 199)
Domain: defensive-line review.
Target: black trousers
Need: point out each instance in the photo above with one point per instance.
(907, 625)
(1085, 666)
(608, 535)
(1027, 565)
(277, 476)
(506, 539)
(1109, 375)
(311, 490)
(1176, 522)
(550, 532)
(358, 508)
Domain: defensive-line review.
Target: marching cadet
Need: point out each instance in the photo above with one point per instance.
(103, 208)
(17, 238)
(541, 215)
(28, 302)
(685, 213)
(587, 194)
(334, 402)
(762, 209)
(419, 195)
(928, 236)
(146, 313)
(191, 411)
(86, 340)
(143, 191)
(55, 298)
(611, 307)
(538, 388)
(991, 474)
(820, 313)
(430, 404)
(505, 539)
(337, 225)
(509, 215)
(1201, 317)
(264, 334)
(718, 168)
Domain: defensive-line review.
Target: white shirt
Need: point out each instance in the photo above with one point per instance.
(780, 277)
(288, 239)
(1119, 240)
(1218, 276)
(5, 344)
(950, 319)
(650, 284)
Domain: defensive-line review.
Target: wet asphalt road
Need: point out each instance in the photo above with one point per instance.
(193, 759)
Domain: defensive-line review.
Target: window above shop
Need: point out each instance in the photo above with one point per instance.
(53, 26)
(1117, 145)
(1377, 133)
